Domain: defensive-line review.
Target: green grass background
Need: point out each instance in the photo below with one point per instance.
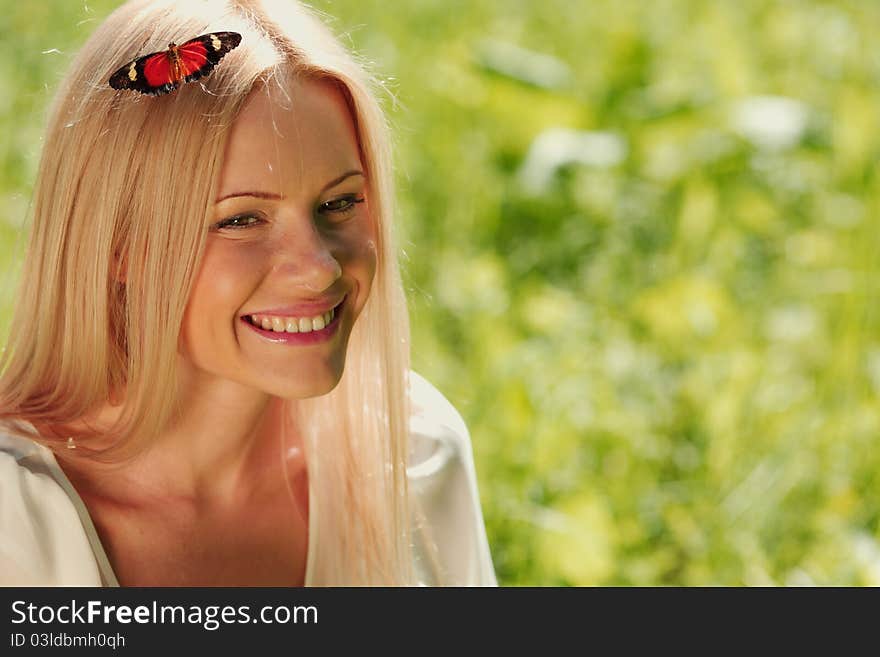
(667, 354)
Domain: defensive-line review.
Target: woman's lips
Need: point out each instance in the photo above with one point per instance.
(299, 310)
(310, 337)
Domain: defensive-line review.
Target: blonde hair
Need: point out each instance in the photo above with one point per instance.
(118, 171)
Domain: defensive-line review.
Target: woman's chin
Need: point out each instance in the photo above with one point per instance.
(316, 386)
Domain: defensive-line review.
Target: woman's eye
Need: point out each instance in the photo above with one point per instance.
(341, 206)
(238, 221)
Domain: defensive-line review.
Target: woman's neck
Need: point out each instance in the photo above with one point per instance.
(219, 452)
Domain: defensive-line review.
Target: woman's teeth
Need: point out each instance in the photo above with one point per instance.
(293, 324)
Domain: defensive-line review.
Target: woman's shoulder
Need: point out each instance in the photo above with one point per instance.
(42, 541)
(436, 427)
(450, 535)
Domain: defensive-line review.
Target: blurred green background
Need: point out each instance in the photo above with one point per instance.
(639, 245)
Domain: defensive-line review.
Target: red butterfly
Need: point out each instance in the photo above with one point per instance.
(162, 72)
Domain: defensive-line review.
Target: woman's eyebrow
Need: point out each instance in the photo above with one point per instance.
(268, 195)
(279, 197)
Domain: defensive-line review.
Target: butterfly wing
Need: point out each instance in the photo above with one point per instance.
(157, 71)
(193, 58)
(199, 56)
(150, 74)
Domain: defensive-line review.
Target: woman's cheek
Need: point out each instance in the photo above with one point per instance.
(222, 285)
(225, 275)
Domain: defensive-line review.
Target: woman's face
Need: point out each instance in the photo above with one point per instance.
(291, 236)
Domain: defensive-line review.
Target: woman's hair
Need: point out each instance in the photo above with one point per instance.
(125, 185)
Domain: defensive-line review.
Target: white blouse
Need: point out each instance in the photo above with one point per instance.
(47, 537)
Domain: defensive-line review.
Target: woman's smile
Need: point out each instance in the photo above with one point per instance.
(296, 330)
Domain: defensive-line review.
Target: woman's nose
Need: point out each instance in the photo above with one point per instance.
(303, 256)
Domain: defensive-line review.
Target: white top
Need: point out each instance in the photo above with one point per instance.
(47, 537)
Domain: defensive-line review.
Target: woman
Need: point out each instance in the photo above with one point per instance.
(207, 379)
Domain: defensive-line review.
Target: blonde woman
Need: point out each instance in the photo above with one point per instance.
(207, 377)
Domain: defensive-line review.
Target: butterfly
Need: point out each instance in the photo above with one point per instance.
(164, 71)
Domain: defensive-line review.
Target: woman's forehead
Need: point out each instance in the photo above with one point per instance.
(301, 132)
